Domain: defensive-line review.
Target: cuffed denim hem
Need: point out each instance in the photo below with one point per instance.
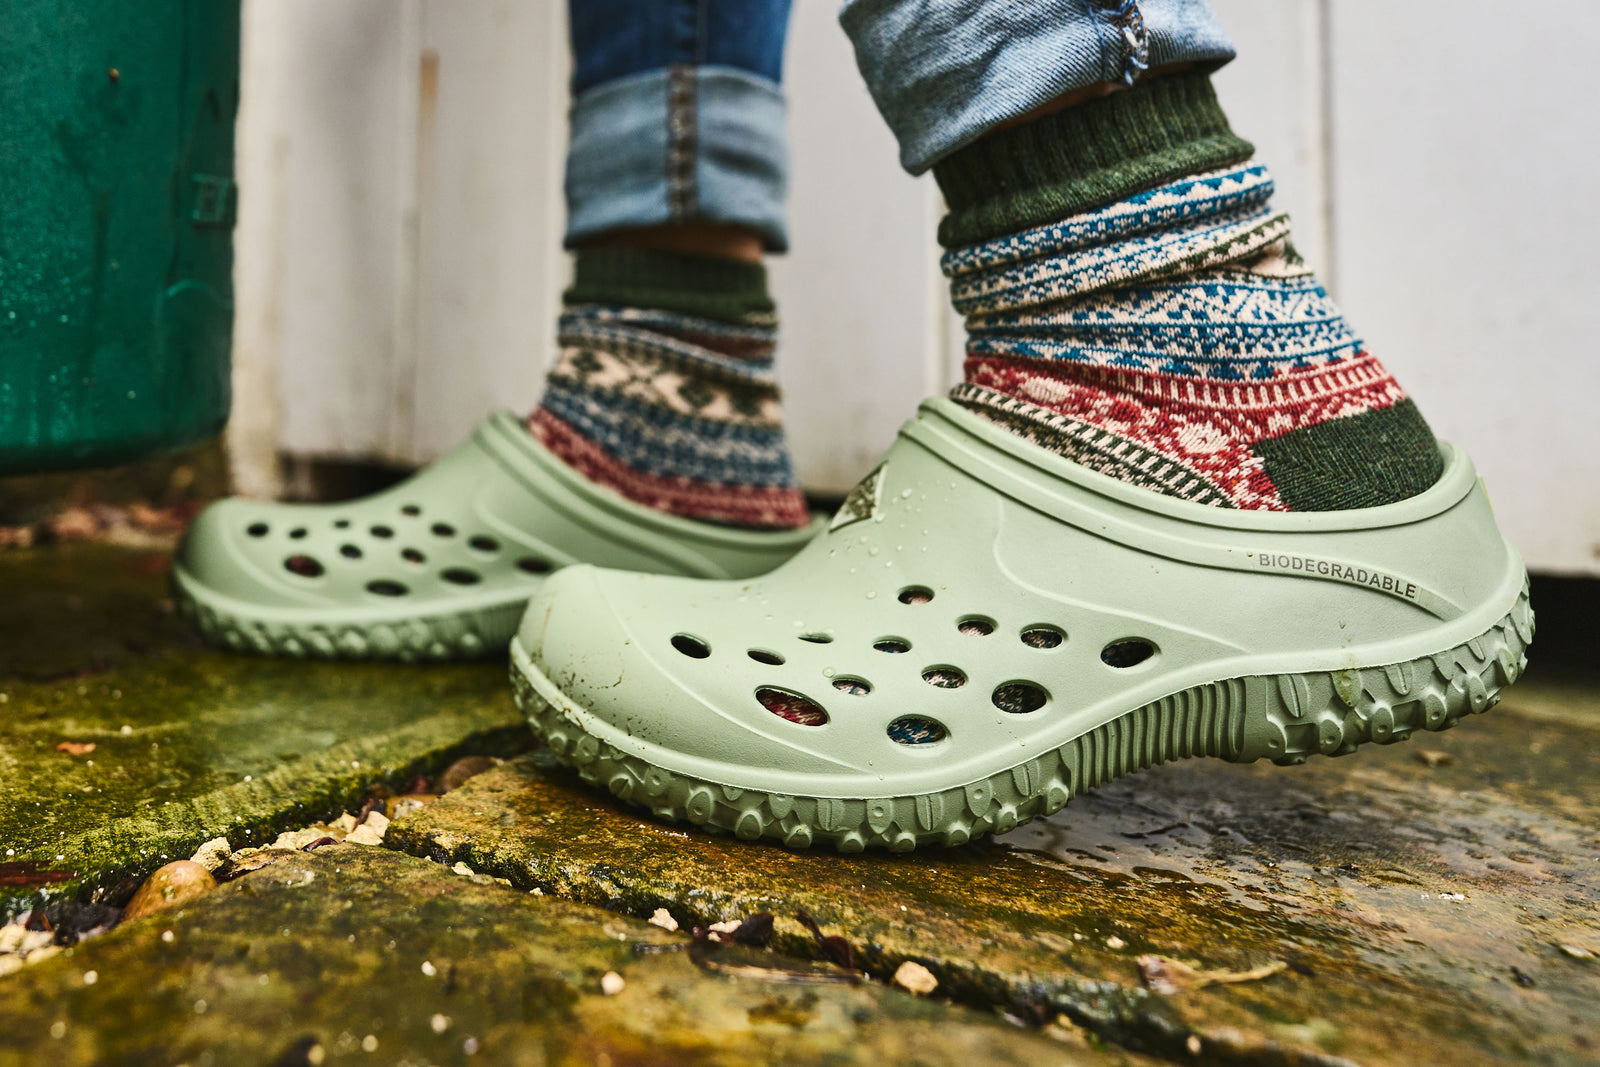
(683, 144)
(945, 72)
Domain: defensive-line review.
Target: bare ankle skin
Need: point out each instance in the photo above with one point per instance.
(696, 238)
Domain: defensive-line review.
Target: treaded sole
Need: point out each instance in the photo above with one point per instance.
(461, 635)
(1285, 718)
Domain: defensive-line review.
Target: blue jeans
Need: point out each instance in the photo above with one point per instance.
(678, 108)
(677, 115)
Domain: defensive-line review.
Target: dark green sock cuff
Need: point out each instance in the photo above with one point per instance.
(726, 289)
(1087, 156)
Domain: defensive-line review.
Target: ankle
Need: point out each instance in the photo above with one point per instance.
(715, 239)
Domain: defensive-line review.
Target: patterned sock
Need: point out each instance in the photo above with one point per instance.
(1134, 303)
(664, 390)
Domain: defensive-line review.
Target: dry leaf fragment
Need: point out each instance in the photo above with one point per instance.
(1430, 757)
(1168, 976)
(76, 748)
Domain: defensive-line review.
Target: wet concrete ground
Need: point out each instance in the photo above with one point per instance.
(1436, 901)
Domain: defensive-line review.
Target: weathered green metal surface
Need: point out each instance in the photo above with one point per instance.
(116, 212)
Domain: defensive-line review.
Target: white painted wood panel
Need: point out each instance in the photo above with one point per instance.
(323, 179)
(862, 307)
(1273, 94)
(490, 268)
(1467, 206)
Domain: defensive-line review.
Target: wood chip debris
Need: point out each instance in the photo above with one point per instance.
(914, 978)
(1169, 976)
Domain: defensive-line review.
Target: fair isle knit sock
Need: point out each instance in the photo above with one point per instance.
(664, 389)
(1133, 302)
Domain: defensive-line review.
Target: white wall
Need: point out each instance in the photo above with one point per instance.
(399, 261)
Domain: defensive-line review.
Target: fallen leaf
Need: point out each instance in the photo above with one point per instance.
(27, 874)
(834, 947)
(76, 748)
(755, 931)
(1169, 976)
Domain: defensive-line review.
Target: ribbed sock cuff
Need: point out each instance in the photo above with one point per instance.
(726, 289)
(1087, 156)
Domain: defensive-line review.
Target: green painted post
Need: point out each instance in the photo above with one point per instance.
(116, 216)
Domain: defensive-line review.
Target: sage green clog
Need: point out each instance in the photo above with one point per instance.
(441, 565)
(987, 629)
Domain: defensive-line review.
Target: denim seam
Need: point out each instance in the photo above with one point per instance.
(1126, 22)
(683, 195)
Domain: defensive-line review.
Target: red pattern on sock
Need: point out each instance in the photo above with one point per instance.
(737, 504)
(1210, 426)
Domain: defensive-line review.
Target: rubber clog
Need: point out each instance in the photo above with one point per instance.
(439, 566)
(987, 629)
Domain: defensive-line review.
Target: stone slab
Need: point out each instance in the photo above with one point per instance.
(190, 743)
(1417, 896)
(354, 954)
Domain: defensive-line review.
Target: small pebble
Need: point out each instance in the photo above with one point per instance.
(440, 1023)
(411, 802)
(369, 1043)
(914, 978)
(315, 1055)
(295, 840)
(11, 937)
(429, 969)
(1193, 1045)
(611, 983)
(1114, 943)
(173, 884)
(1577, 952)
(212, 854)
(663, 918)
(91, 977)
(470, 1046)
(58, 1029)
(167, 936)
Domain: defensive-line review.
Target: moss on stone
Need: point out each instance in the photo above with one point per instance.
(1405, 900)
(377, 957)
(191, 743)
